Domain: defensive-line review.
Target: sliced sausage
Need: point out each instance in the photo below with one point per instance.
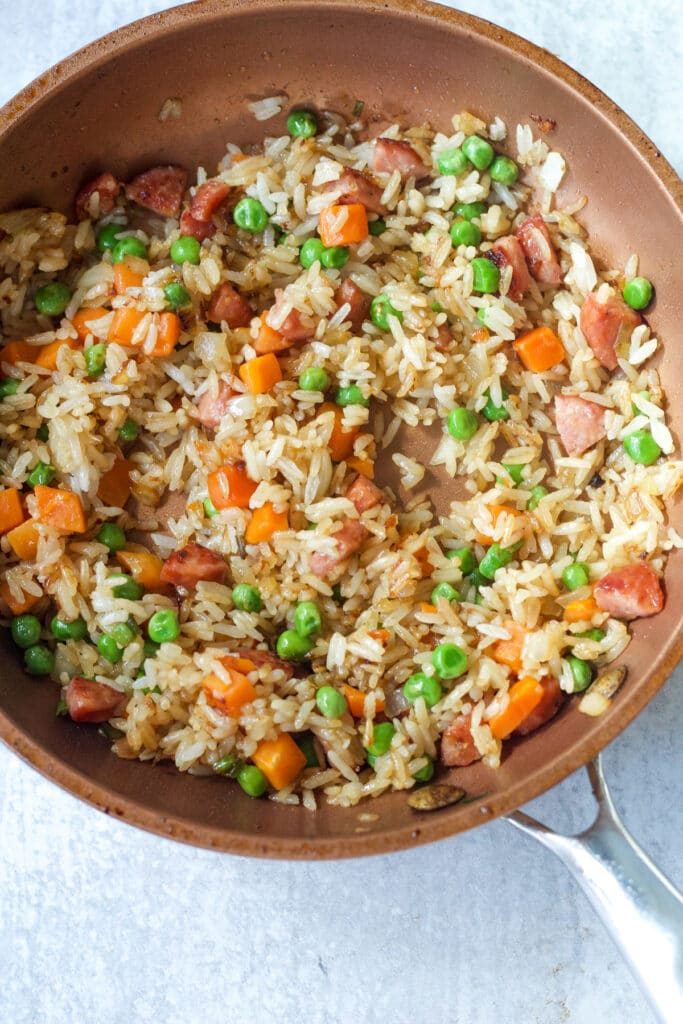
(457, 744)
(507, 252)
(228, 305)
(539, 250)
(88, 701)
(396, 155)
(207, 199)
(189, 565)
(356, 187)
(348, 539)
(293, 328)
(444, 338)
(199, 229)
(605, 324)
(348, 291)
(259, 657)
(108, 189)
(160, 189)
(632, 592)
(581, 423)
(364, 494)
(210, 409)
(550, 703)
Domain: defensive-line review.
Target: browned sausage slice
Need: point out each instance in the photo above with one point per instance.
(396, 155)
(208, 198)
(632, 592)
(357, 188)
(227, 304)
(457, 745)
(507, 252)
(550, 703)
(581, 423)
(364, 494)
(348, 539)
(292, 327)
(210, 409)
(88, 701)
(348, 291)
(189, 565)
(539, 251)
(108, 189)
(199, 229)
(160, 189)
(605, 324)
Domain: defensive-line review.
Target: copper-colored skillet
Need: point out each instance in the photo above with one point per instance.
(100, 109)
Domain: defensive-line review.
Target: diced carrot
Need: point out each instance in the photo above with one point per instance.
(422, 557)
(481, 334)
(496, 511)
(47, 355)
(230, 487)
(341, 441)
(168, 331)
(84, 317)
(125, 278)
(61, 509)
(539, 349)
(241, 664)
(383, 635)
(11, 510)
(237, 158)
(366, 467)
(356, 701)
(261, 374)
(509, 652)
(280, 760)
(581, 611)
(342, 225)
(18, 352)
(523, 697)
(228, 697)
(123, 326)
(144, 567)
(114, 486)
(426, 608)
(17, 607)
(264, 522)
(24, 539)
(269, 340)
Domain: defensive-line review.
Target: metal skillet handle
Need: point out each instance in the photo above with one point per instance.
(640, 908)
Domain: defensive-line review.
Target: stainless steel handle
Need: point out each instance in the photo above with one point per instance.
(638, 905)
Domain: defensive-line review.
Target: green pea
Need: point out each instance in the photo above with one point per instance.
(469, 210)
(330, 702)
(351, 395)
(122, 634)
(427, 773)
(536, 493)
(25, 630)
(481, 315)
(446, 591)
(107, 237)
(229, 765)
(371, 760)
(302, 124)
(422, 685)
(465, 232)
(335, 257)
(452, 161)
(462, 423)
(504, 170)
(210, 509)
(478, 151)
(310, 251)
(52, 299)
(164, 627)
(382, 735)
(465, 556)
(293, 647)
(638, 293)
(8, 386)
(250, 215)
(496, 558)
(246, 598)
(186, 249)
(129, 430)
(449, 661)
(380, 311)
(307, 619)
(582, 673)
(129, 246)
(74, 630)
(576, 575)
(593, 634)
(150, 649)
(252, 780)
(109, 649)
(43, 432)
(314, 378)
(495, 412)
(96, 359)
(177, 296)
(112, 536)
(436, 307)
(128, 589)
(306, 744)
(642, 447)
(39, 660)
(42, 473)
(514, 471)
(377, 227)
(485, 276)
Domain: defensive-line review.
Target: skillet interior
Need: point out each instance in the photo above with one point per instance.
(409, 61)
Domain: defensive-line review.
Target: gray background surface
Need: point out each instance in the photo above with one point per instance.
(102, 923)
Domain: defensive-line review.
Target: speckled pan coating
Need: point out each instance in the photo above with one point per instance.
(407, 60)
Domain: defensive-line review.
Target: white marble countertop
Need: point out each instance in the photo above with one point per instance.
(102, 923)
